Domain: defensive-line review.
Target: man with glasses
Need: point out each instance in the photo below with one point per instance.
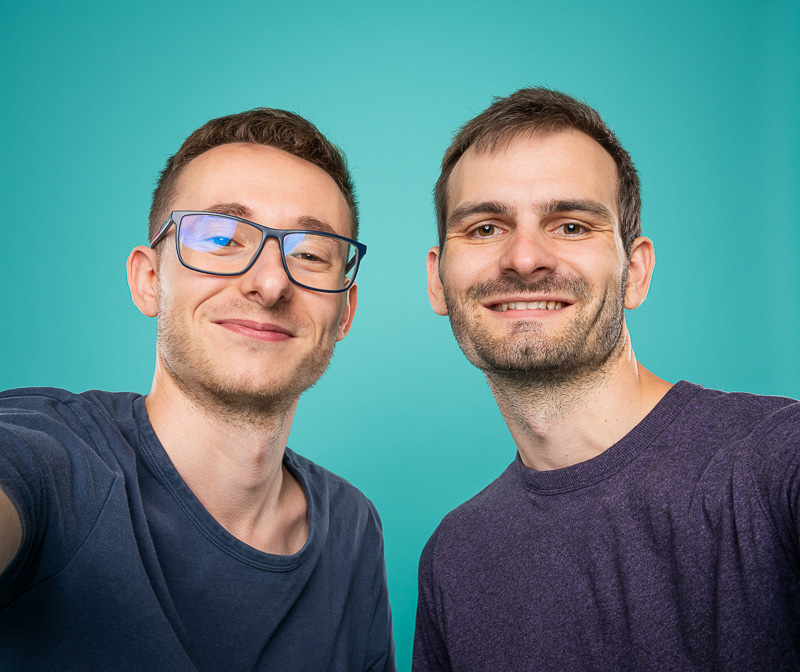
(643, 525)
(177, 531)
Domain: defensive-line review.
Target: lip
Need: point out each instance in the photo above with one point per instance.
(261, 331)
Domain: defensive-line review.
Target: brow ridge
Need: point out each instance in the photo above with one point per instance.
(241, 211)
(462, 212)
(576, 205)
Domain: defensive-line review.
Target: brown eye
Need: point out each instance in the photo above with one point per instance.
(486, 230)
(572, 228)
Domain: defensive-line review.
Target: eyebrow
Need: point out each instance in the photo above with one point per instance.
(483, 208)
(579, 205)
(315, 224)
(231, 209)
(548, 208)
(243, 212)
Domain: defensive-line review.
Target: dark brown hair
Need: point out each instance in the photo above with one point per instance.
(262, 126)
(527, 111)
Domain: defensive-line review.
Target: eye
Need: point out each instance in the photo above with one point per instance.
(572, 229)
(221, 241)
(485, 231)
(307, 256)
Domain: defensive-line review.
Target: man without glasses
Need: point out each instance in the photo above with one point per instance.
(177, 531)
(643, 525)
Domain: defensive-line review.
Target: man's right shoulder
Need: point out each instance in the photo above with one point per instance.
(55, 401)
(21, 397)
(487, 510)
(51, 419)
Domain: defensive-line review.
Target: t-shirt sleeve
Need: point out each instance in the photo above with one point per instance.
(430, 650)
(54, 480)
(776, 470)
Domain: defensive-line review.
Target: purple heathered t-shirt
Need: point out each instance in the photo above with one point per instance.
(675, 549)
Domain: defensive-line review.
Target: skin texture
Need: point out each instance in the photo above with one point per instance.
(10, 531)
(537, 220)
(224, 391)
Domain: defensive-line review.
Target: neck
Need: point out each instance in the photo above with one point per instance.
(233, 464)
(558, 422)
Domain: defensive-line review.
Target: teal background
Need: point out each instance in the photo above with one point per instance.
(704, 95)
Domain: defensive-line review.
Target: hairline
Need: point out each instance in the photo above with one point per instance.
(494, 143)
(174, 184)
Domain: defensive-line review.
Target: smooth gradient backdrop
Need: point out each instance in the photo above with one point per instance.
(705, 96)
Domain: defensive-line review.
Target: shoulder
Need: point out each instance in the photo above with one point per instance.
(727, 417)
(476, 520)
(24, 405)
(49, 430)
(60, 456)
(344, 502)
(748, 440)
(744, 405)
(770, 442)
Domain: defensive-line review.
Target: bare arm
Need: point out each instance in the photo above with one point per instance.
(10, 531)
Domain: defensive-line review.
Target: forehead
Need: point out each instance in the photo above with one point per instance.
(531, 169)
(278, 188)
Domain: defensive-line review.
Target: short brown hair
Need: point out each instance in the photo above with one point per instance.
(538, 108)
(261, 126)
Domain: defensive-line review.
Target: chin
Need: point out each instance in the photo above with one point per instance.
(229, 382)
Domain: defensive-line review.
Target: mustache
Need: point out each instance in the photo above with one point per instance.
(576, 288)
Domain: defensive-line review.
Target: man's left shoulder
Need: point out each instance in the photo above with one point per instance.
(762, 429)
(337, 494)
(742, 413)
(756, 403)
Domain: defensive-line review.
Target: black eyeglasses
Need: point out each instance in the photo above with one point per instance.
(208, 242)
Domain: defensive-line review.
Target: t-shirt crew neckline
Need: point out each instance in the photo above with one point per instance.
(165, 471)
(609, 462)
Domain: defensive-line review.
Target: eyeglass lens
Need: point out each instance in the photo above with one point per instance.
(220, 244)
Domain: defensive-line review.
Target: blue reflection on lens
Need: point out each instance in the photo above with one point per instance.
(292, 242)
(207, 233)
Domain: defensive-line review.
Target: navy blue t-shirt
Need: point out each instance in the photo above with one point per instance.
(678, 548)
(121, 567)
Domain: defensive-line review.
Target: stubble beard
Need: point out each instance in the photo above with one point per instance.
(231, 397)
(526, 357)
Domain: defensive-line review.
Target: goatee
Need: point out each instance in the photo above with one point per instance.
(526, 353)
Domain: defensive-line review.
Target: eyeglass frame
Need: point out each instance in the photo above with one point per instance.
(266, 233)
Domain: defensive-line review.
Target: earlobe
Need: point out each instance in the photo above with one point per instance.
(348, 312)
(143, 279)
(435, 287)
(640, 272)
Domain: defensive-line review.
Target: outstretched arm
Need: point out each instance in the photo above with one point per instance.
(10, 531)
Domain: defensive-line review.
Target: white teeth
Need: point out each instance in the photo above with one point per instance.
(530, 305)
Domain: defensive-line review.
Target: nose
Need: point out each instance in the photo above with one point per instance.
(266, 281)
(528, 252)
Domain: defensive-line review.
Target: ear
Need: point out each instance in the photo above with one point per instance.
(640, 272)
(435, 287)
(348, 312)
(143, 280)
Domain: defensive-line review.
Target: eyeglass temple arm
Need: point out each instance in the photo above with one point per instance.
(161, 231)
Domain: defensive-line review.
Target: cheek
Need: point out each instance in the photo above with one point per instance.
(461, 271)
(323, 315)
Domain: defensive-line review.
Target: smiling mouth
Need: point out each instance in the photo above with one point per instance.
(528, 305)
(259, 330)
